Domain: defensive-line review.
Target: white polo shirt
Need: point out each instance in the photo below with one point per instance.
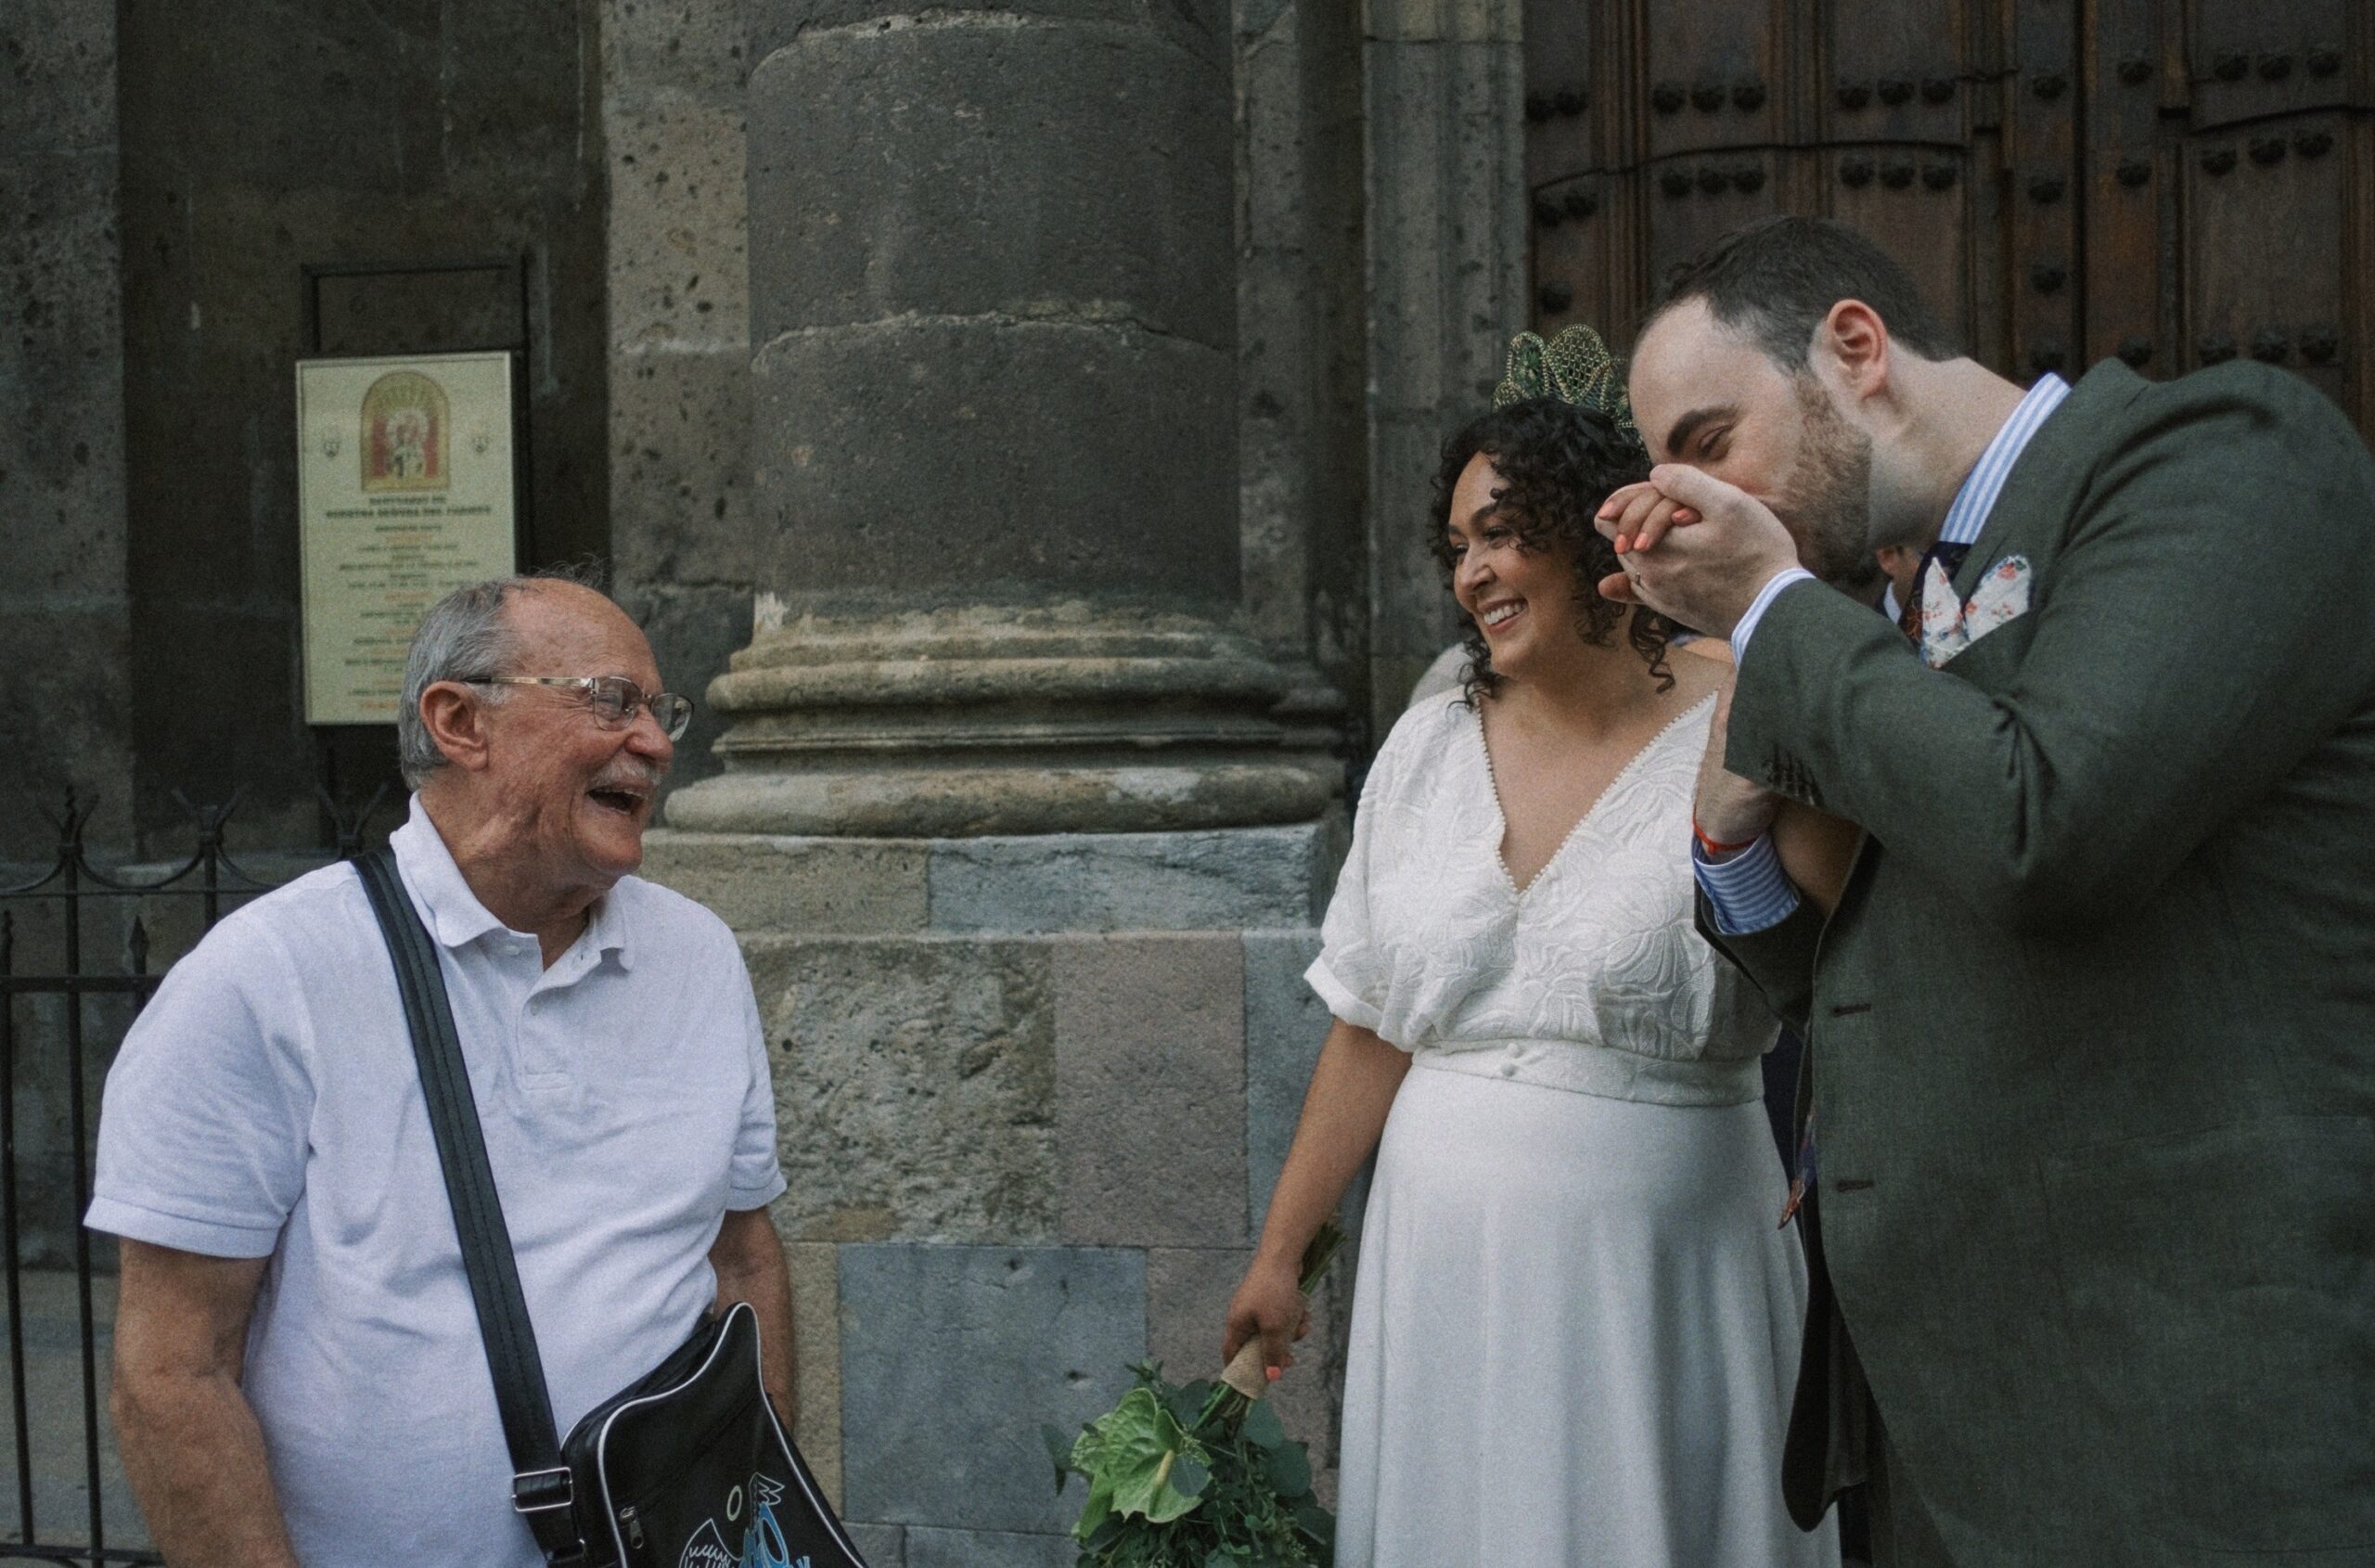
(267, 1104)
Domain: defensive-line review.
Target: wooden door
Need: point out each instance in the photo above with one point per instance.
(2172, 182)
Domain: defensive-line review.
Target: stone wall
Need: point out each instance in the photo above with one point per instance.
(1301, 353)
(259, 137)
(1033, 1094)
(674, 76)
(1447, 271)
(682, 550)
(64, 606)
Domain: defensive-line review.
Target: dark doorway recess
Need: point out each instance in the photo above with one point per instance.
(376, 146)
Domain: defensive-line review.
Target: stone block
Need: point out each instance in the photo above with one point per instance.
(922, 438)
(1149, 1089)
(680, 467)
(951, 1359)
(1446, 21)
(883, 1545)
(1188, 1296)
(1272, 127)
(1188, 1292)
(62, 393)
(1225, 879)
(693, 48)
(694, 630)
(990, 1549)
(1275, 460)
(501, 121)
(914, 1086)
(679, 225)
(60, 73)
(1447, 216)
(817, 1331)
(67, 725)
(1285, 1025)
(848, 887)
(981, 168)
(1200, 26)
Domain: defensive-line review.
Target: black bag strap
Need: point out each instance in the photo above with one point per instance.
(541, 1488)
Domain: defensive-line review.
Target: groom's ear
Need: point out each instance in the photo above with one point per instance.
(1853, 345)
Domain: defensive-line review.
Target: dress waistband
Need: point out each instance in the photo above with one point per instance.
(1600, 1070)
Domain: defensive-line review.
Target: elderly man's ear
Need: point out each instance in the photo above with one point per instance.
(456, 719)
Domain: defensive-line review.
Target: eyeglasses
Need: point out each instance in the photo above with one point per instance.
(614, 699)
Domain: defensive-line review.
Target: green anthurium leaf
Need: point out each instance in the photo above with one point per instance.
(1060, 1451)
(1096, 1516)
(1261, 1428)
(1187, 1404)
(1289, 1470)
(1129, 1453)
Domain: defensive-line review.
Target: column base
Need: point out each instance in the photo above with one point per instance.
(953, 723)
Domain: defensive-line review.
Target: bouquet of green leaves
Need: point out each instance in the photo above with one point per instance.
(1200, 1475)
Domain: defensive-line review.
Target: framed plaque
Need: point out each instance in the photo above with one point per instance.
(407, 488)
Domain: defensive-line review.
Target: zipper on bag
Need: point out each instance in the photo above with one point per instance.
(631, 1527)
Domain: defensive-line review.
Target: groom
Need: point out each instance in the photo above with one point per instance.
(2091, 1032)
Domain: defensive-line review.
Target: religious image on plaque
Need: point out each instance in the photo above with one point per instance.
(407, 419)
(407, 490)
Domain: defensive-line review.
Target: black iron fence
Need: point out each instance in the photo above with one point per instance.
(81, 950)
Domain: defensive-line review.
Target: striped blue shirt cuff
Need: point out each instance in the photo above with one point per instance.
(1756, 608)
(1748, 892)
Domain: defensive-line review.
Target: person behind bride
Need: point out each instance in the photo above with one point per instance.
(1575, 1324)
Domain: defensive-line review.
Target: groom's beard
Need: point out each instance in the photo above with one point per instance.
(1826, 502)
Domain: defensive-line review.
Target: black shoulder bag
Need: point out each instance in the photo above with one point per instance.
(687, 1467)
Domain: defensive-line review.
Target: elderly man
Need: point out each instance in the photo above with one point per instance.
(2091, 1062)
(299, 1372)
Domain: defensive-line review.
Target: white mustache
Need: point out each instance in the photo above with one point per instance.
(645, 779)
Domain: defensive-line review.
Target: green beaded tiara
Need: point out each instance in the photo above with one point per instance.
(1574, 368)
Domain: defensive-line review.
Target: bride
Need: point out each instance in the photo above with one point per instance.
(1575, 1324)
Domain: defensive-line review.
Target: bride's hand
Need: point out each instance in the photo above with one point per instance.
(1269, 1307)
(1728, 808)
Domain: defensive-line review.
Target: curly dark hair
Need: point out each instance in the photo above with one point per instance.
(1556, 463)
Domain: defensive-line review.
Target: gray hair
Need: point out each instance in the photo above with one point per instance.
(464, 636)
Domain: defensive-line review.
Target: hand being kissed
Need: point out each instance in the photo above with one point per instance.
(1693, 547)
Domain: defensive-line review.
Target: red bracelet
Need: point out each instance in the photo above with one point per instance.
(1711, 847)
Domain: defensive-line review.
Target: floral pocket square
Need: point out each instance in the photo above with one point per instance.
(1949, 626)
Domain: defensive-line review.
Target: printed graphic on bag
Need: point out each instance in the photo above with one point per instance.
(763, 1542)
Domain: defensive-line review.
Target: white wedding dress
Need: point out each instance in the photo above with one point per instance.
(1575, 1323)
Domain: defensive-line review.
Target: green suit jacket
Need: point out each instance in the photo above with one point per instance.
(2092, 1031)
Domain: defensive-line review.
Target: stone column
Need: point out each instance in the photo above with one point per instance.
(993, 314)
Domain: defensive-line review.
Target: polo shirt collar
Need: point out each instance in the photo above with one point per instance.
(453, 912)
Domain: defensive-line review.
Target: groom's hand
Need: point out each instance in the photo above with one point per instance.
(1692, 548)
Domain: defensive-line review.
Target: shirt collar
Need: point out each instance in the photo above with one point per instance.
(453, 913)
(1986, 481)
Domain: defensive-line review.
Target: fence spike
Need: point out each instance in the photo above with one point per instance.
(70, 823)
(348, 829)
(139, 946)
